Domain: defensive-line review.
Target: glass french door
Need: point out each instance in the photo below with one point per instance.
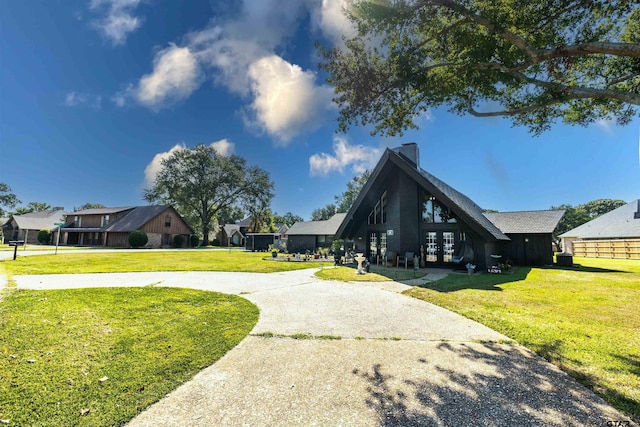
(377, 244)
(439, 247)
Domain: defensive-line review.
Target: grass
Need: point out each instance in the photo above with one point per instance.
(97, 357)
(583, 319)
(185, 260)
(377, 274)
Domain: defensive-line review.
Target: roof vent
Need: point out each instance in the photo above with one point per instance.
(410, 151)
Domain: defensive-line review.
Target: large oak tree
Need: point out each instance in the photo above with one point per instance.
(535, 62)
(200, 183)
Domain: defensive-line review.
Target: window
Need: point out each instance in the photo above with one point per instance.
(106, 220)
(379, 213)
(433, 211)
(167, 221)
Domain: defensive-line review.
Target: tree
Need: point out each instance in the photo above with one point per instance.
(229, 215)
(261, 221)
(533, 62)
(289, 219)
(595, 208)
(346, 199)
(32, 207)
(90, 206)
(325, 213)
(200, 183)
(7, 198)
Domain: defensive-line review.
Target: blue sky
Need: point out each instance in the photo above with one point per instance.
(94, 93)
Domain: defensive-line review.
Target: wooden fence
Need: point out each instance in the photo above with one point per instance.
(620, 248)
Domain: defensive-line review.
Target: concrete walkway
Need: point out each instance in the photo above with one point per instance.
(400, 361)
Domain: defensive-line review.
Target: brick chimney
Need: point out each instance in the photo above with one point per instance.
(411, 152)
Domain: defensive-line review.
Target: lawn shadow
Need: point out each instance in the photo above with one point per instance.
(481, 384)
(485, 282)
(584, 269)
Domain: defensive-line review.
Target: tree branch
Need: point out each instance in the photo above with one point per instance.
(516, 40)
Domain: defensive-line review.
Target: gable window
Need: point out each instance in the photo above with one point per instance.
(379, 213)
(433, 211)
(167, 220)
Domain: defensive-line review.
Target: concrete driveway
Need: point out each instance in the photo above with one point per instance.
(398, 361)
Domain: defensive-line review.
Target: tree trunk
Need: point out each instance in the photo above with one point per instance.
(205, 236)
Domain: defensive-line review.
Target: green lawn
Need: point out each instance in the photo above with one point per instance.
(183, 260)
(585, 320)
(97, 357)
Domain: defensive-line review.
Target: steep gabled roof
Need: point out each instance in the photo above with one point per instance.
(526, 221)
(461, 205)
(328, 227)
(45, 220)
(464, 203)
(619, 223)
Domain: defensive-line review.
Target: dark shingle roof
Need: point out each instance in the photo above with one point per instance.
(135, 219)
(318, 228)
(526, 221)
(464, 203)
(619, 223)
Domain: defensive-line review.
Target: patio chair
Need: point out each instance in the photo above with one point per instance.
(389, 258)
(406, 259)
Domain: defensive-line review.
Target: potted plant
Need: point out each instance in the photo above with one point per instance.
(336, 245)
(274, 252)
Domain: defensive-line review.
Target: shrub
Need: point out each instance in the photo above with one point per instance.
(195, 241)
(178, 241)
(44, 237)
(138, 239)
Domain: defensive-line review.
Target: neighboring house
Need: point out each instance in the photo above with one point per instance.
(402, 208)
(308, 235)
(261, 241)
(230, 235)
(26, 227)
(111, 226)
(615, 234)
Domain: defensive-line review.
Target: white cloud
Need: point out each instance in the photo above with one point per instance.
(358, 157)
(76, 99)
(224, 147)
(175, 76)
(330, 19)
(119, 21)
(239, 53)
(606, 125)
(286, 99)
(155, 166)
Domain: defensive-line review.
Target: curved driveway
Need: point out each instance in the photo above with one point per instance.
(399, 361)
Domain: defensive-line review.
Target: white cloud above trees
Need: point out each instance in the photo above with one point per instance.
(239, 53)
(356, 158)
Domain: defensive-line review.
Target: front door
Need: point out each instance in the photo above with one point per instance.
(439, 247)
(377, 245)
